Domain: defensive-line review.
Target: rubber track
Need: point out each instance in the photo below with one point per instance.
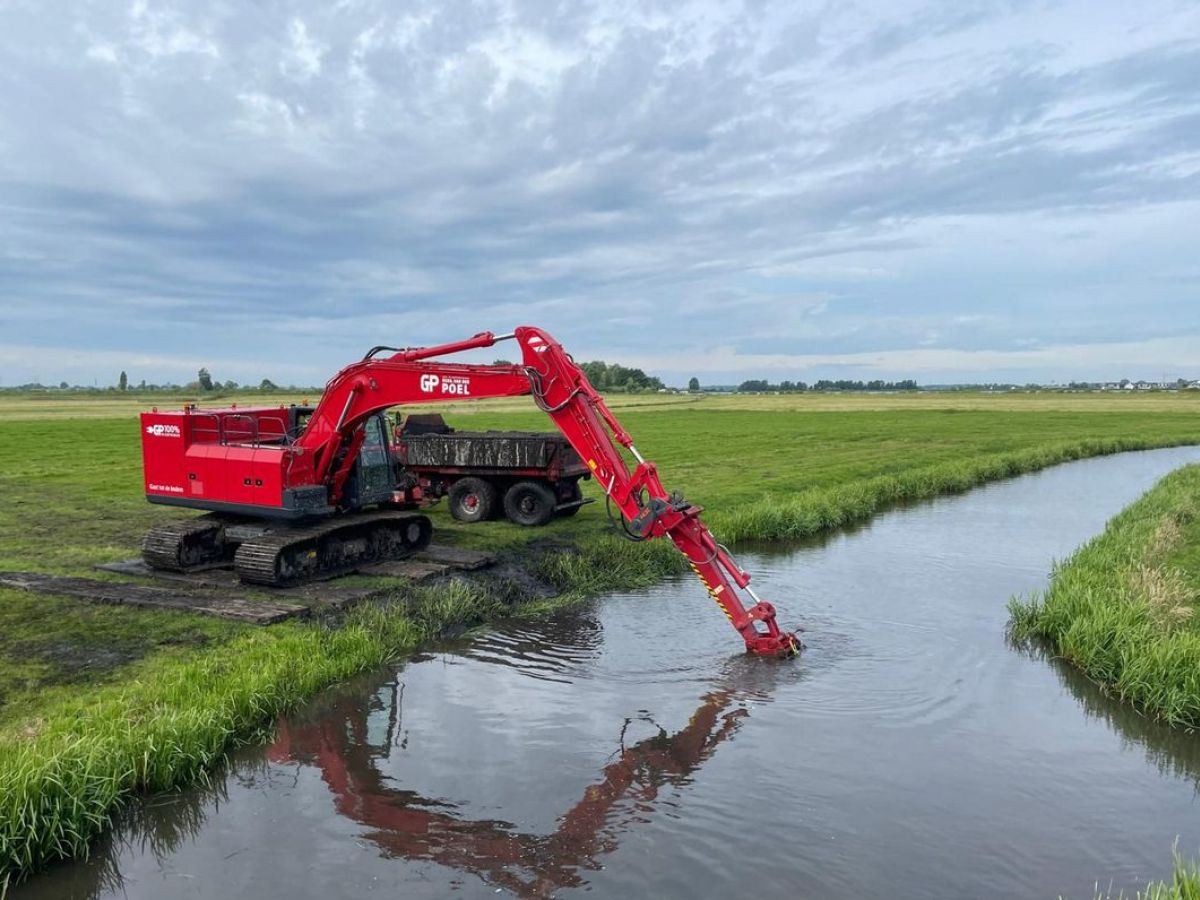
(161, 545)
(255, 560)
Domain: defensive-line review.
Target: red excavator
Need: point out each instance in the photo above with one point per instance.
(296, 494)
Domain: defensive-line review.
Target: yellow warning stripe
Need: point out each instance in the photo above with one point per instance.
(711, 592)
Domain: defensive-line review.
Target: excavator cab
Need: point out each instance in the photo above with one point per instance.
(373, 478)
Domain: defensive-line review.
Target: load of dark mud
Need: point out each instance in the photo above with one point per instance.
(513, 578)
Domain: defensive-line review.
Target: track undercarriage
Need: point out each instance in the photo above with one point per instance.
(283, 555)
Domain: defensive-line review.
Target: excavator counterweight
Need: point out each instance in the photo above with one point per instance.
(295, 495)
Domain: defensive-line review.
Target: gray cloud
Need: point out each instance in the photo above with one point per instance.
(286, 183)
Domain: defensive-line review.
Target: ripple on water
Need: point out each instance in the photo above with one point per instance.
(537, 651)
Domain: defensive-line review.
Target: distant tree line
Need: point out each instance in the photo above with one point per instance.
(1177, 385)
(608, 377)
(614, 377)
(204, 383)
(763, 386)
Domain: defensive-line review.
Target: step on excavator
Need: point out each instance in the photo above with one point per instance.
(295, 494)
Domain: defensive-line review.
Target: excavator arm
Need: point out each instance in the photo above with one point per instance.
(562, 391)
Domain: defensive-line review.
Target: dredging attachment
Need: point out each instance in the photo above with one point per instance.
(757, 625)
(776, 642)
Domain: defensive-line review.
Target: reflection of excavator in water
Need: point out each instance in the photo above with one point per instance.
(406, 825)
(298, 494)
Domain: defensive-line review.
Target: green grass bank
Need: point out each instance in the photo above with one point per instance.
(162, 696)
(1123, 607)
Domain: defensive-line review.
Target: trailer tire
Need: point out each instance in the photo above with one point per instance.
(472, 499)
(529, 503)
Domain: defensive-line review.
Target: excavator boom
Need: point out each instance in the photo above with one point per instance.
(563, 392)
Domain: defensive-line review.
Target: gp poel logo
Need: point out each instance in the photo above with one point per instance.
(537, 345)
(160, 430)
(459, 385)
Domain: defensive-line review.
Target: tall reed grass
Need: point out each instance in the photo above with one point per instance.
(1184, 884)
(775, 518)
(1122, 610)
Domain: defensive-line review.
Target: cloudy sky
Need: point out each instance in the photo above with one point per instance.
(948, 191)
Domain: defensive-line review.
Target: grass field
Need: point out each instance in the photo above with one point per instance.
(1123, 607)
(96, 703)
